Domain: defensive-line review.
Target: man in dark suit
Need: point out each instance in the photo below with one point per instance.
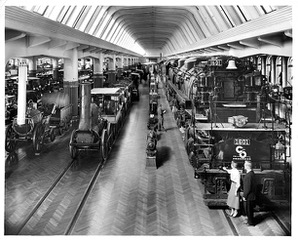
(249, 192)
(161, 112)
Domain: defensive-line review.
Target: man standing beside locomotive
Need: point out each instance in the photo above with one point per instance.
(161, 112)
(249, 193)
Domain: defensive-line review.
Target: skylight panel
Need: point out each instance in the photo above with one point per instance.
(89, 14)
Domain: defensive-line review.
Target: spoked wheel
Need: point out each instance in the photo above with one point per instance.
(110, 132)
(109, 128)
(38, 137)
(10, 139)
(61, 128)
(104, 145)
(114, 131)
(119, 125)
(52, 134)
(73, 149)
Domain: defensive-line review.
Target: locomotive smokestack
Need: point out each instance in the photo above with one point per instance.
(22, 102)
(85, 120)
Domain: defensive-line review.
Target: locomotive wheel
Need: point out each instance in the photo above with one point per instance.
(72, 149)
(38, 137)
(10, 139)
(52, 134)
(104, 145)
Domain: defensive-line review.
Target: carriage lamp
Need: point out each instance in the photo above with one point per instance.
(231, 64)
(196, 175)
(275, 90)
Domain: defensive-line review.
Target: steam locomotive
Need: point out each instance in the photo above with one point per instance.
(227, 108)
(102, 114)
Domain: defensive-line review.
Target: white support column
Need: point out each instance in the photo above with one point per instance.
(121, 62)
(71, 80)
(22, 102)
(98, 77)
(83, 63)
(55, 68)
(96, 66)
(124, 62)
(32, 66)
(263, 65)
(101, 60)
(114, 62)
(284, 61)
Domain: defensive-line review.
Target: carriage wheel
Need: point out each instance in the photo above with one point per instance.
(111, 132)
(72, 149)
(109, 128)
(10, 139)
(38, 137)
(119, 124)
(52, 134)
(114, 131)
(104, 144)
(61, 128)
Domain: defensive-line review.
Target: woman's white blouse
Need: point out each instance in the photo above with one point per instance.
(235, 176)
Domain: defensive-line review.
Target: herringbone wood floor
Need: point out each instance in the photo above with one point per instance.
(128, 198)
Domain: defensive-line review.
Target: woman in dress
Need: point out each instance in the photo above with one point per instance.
(233, 196)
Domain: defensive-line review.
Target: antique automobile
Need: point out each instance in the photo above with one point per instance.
(101, 118)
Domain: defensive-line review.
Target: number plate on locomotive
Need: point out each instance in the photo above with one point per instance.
(241, 141)
(215, 62)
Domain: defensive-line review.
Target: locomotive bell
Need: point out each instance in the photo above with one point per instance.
(231, 64)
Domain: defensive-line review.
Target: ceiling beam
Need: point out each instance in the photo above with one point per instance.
(90, 49)
(82, 47)
(224, 47)
(11, 35)
(57, 43)
(276, 41)
(33, 41)
(253, 43)
(235, 45)
(71, 45)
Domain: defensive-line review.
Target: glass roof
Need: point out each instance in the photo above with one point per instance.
(159, 28)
